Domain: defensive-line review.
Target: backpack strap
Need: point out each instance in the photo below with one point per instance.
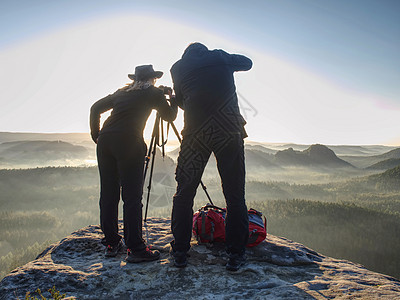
(203, 234)
(255, 212)
(203, 224)
(196, 230)
(208, 206)
(253, 236)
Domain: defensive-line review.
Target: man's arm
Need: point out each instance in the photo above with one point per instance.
(178, 99)
(240, 62)
(177, 89)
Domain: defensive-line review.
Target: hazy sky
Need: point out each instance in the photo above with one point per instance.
(324, 71)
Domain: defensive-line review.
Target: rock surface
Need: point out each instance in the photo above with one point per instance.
(276, 269)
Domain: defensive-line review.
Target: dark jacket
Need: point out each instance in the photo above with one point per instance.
(130, 111)
(205, 89)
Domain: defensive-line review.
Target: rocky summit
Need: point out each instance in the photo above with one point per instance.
(276, 269)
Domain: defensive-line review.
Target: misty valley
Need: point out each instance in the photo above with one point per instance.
(342, 201)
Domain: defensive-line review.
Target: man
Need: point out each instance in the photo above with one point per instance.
(205, 89)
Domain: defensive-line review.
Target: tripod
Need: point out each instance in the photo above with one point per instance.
(151, 156)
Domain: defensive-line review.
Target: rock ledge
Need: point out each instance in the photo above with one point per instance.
(276, 269)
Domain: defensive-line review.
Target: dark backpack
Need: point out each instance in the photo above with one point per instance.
(209, 225)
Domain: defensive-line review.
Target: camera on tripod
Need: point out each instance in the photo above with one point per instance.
(166, 89)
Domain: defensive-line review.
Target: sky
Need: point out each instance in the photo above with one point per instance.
(323, 71)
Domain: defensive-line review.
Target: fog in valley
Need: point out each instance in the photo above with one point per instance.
(342, 201)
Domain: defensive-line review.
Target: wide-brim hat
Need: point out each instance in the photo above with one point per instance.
(145, 72)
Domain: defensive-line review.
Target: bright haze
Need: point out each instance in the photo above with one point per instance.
(324, 71)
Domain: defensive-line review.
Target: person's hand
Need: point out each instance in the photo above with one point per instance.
(95, 139)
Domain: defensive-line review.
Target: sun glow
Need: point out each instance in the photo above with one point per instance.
(52, 81)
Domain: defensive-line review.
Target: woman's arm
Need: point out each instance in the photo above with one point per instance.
(96, 110)
(167, 111)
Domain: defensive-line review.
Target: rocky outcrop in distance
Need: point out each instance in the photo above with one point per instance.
(276, 269)
(315, 155)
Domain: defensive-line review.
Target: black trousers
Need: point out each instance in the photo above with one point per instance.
(193, 157)
(121, 160)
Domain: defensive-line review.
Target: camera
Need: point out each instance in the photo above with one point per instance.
(166, 89)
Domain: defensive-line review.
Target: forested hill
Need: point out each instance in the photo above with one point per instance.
(41, 153)
(393, 174)
(42, 204)
(388, 180)
(382, 188)
(385, 164)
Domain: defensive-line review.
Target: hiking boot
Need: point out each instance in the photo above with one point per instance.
(145, 255)
(180, 259)
(112, 251)
(235, 262)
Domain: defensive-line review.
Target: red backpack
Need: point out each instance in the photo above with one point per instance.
(209, 225)
(257, 228)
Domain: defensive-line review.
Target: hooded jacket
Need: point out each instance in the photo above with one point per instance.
(205, 88)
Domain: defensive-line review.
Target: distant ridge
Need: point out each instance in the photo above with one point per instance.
(395, 153)
(367, 161)
(257, 159)
(30, 136)
(39, 146)
(258, 154)
(40, 152)
(353, 150)
(260, 148)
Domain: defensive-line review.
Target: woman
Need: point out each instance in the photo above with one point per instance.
(120, 154)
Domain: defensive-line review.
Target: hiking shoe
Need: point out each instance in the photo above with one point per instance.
(235, 262)
(145, 255)
(112, 251)
(180, 259)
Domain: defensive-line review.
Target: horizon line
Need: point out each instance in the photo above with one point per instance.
(173, 138)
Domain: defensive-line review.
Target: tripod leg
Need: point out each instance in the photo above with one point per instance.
(150, 179)
(152, 142)
(153, 151)
(162, 138)
(147, 159)
(176, 132)
(205, 191)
